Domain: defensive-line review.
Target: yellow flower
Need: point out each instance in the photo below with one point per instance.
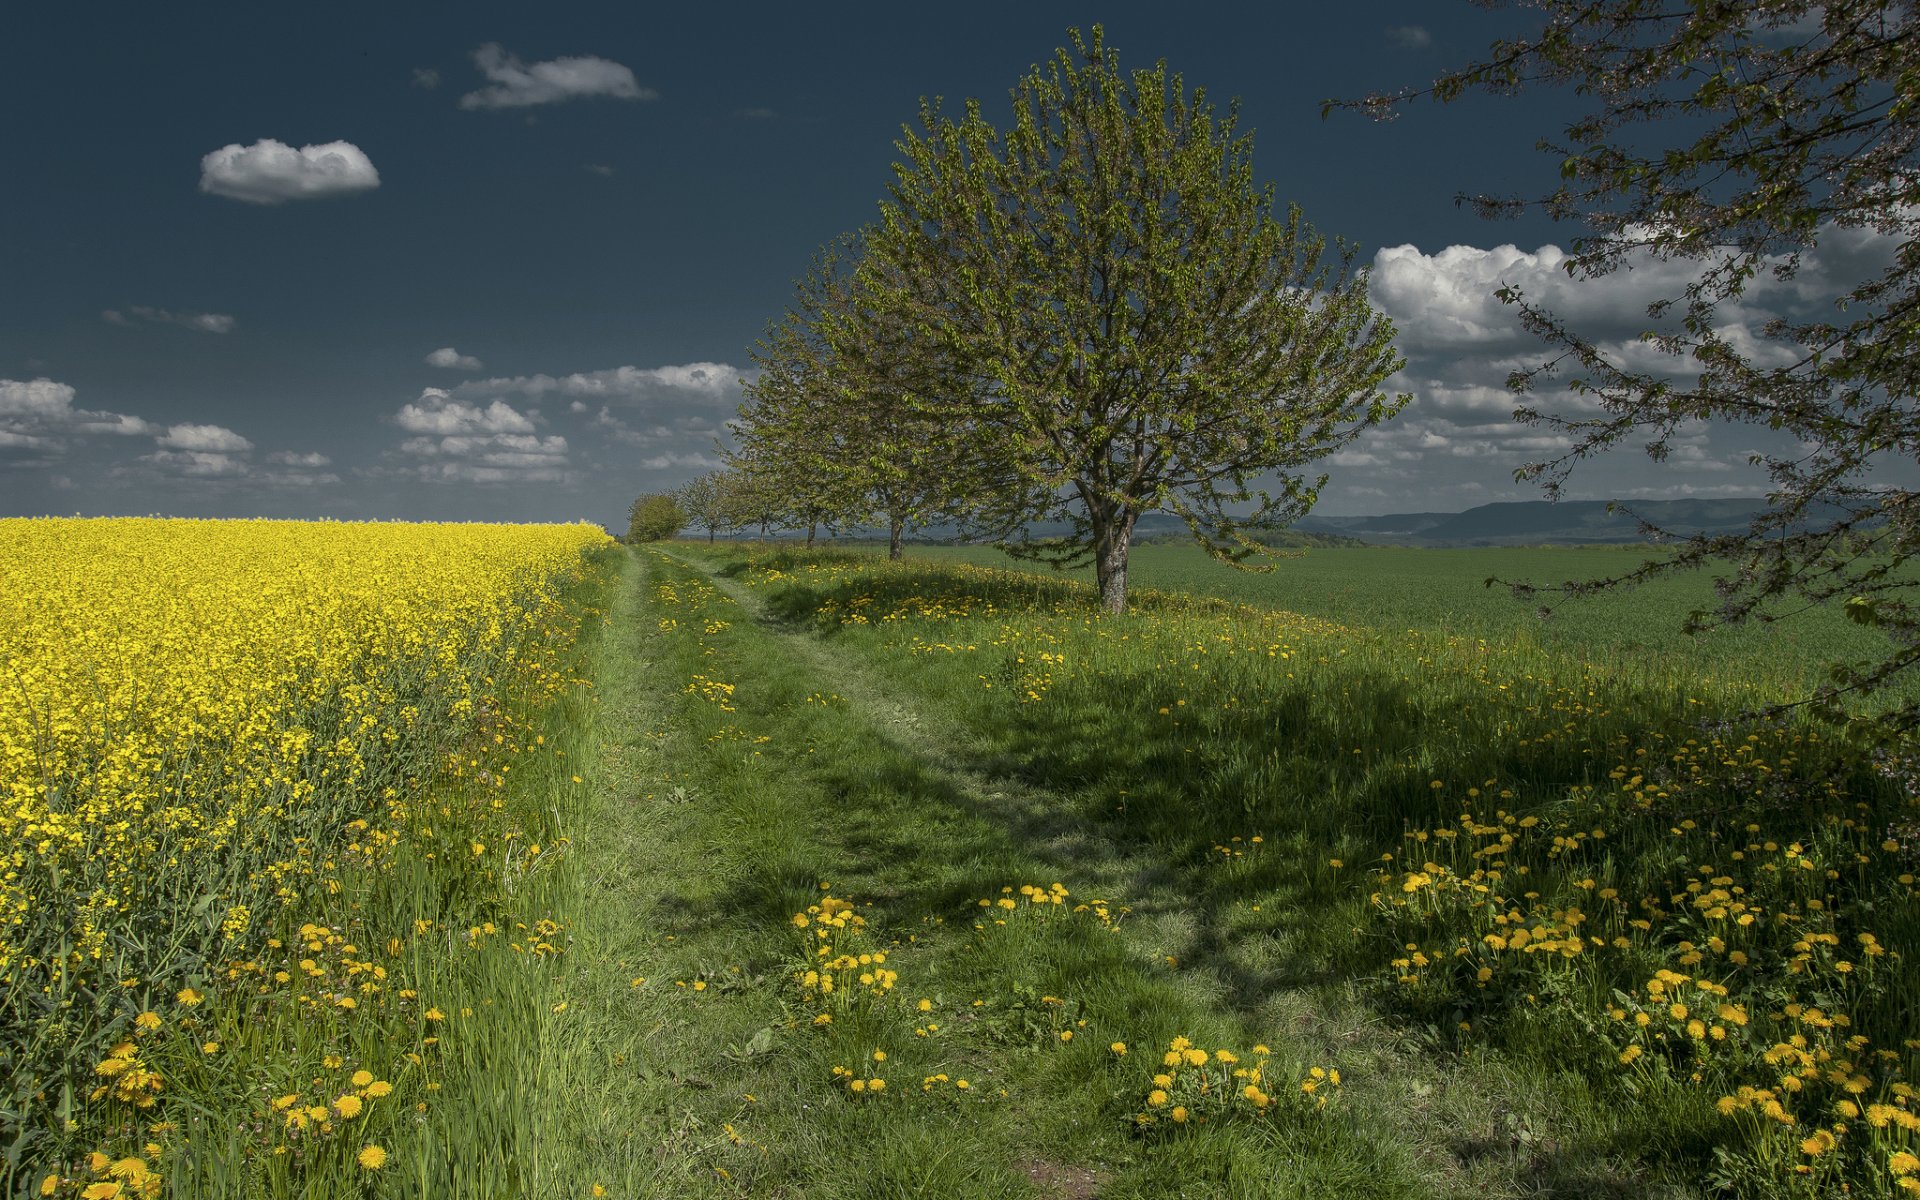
(362, 1078)
(1156, 1097)
(1118, 1047)
(147, 1022)
(1179, 1114)
(347, 1106)
(188, 997)
(379, 1088)
(371, 1157)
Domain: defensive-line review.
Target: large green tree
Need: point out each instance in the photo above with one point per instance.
(1742, 138)
(1126, 321)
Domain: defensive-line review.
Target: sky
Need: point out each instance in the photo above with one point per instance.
(491, 262)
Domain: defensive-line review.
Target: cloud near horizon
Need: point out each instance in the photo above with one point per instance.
(1461, 342)
(272, 172)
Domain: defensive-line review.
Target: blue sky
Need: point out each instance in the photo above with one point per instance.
(482, 261)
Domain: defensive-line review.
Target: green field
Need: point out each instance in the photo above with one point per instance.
(1557, 928)
(1445, 590)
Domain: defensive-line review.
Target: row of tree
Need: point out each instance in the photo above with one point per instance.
(1096, 312)
(1057, 327)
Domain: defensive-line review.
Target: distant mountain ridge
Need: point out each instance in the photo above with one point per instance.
(1530, 522)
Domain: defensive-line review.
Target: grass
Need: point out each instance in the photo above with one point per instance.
(1445, 591)
(1325, 840)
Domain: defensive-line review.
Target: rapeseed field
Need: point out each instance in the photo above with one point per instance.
(226, 749)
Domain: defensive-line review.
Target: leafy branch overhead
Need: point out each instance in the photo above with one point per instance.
(1738, 139)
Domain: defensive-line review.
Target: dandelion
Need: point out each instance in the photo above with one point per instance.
(371, 1157)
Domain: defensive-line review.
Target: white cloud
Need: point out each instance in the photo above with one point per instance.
(715, 383)
(288, 458)
(426, 77)
(35, 398)
(515, 84)
(1409, 37)
(38, 414)
(208, 439)
(694, 461)
(600, 169)
(202, 464)
(447, 356)
(272, 172)
(461, 442)
(202, 322)
(437, 412)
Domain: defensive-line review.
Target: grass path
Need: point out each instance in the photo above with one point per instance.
(743, 766)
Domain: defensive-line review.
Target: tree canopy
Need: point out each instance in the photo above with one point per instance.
(1121, 319)
(654, 518)
(1745, 138)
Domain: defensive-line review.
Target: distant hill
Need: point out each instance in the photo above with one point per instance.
(1530, 522)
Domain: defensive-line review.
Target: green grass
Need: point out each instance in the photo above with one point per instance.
(934, 733)
(1445, 590)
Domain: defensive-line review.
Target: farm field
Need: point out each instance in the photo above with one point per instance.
(1445, 590)
(746, 872)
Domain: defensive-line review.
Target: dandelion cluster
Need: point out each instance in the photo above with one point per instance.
(1193, 1086)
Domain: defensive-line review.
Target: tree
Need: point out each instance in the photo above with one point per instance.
(655, 518)
(840, 406)
(1128, 323)
(704, 502)
(1740, 138)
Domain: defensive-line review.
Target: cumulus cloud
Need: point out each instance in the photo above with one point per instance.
(1409, 37)
(203, 322)
(200, 464)
(426, 77)
(447, 356)
(437, 412)
(1461, 342)
(206, 439)
(288, 458)
(716, 384)
(38, 415)
(514, 84)
(272, 172)
(457, 441)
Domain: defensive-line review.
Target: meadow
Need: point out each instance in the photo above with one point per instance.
(493, 861)
(1556, 927)
(1446, 591)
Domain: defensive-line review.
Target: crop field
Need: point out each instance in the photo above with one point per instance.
(486, 861)
(235, 757)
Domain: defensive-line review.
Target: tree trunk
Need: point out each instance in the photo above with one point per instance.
(893, 539)
(709, 535)
(812, 526)
(1112, 538)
